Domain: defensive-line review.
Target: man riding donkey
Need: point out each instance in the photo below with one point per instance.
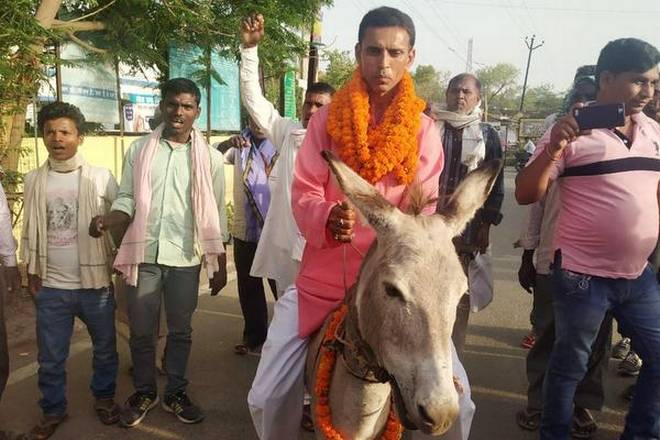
(376, 126)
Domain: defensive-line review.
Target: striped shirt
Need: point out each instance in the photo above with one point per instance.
(608, 218)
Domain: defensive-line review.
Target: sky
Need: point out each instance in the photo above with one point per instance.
(572, 31)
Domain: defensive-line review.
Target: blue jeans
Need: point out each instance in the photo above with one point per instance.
(580, 304)
(56, 310)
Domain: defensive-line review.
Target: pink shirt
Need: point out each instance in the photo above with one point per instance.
(320, 282)
(608, 218)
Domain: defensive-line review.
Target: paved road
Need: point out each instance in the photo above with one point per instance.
(220, 379)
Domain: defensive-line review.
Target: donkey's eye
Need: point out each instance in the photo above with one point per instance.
(392, 291)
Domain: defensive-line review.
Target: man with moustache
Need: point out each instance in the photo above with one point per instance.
(172, 199)
(468, 142)
(385, 51)
(607, 227)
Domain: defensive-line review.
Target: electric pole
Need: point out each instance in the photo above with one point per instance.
(530, 45)
(468, 64)
(314, 43)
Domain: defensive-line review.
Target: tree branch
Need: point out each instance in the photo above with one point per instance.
(93, 12)
(84, 44)
(78, 26)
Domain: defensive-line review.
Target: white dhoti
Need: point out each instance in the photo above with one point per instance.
(276, 397)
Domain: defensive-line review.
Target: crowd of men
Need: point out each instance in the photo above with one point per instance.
(167, 219)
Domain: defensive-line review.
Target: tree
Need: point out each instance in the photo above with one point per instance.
(137, 33)
(340, 67)
(541, 101)
(430, 84)
(498, 84)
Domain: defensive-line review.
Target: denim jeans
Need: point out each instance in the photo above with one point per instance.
(580, 304)
(56, 310)
(589, 392)
(179, 287)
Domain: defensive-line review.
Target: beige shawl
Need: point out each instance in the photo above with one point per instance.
(95, 254)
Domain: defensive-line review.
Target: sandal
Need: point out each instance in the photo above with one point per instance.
(243, 349)
(528, 341)
(529, 419)
(584, 425)
(46, 427)
(307, 423)
(107, 411)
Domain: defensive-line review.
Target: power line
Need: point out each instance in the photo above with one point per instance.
(529, 14)
(516, 21)
(447, 24)
(434, 31)
(552, 9)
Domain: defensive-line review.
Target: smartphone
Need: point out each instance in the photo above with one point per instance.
(600, 116)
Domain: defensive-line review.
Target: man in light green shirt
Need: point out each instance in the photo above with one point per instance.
(172, 258)
(170, 224)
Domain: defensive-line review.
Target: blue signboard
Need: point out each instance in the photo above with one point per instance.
(225, 98)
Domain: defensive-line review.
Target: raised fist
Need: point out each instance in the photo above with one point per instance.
(252, 30)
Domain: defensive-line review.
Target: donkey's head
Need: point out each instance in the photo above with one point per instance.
(409, 286)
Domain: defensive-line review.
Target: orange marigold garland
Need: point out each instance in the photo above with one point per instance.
(327, 360)
(389, 147)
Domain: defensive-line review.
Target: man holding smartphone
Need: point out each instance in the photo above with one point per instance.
(607, 228)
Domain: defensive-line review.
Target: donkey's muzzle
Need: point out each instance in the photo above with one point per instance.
(437, 418)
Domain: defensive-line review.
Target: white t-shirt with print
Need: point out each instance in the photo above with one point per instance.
(63, 257)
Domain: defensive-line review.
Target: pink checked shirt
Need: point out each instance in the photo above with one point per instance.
(314, 192)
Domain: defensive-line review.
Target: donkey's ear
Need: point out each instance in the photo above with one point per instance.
(380, 213)
(470, 195)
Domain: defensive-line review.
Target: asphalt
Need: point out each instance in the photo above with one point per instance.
(219, 379)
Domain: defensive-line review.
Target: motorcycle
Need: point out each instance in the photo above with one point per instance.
(522, 157)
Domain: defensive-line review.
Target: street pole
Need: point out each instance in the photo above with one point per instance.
(314, 43)
(120, 108)
(313, 65)
(532, 48)
(468, 63)
(58, 74)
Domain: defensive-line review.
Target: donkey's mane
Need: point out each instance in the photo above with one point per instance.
(418, 199)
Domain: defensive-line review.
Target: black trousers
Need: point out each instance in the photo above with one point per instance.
(589, 393)
(251, 294)
(4, 352)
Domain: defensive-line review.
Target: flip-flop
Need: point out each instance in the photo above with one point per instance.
(528, 341)
(241, 349)
(584, 425)
(528, 419)
(107, 411)
(307, 423)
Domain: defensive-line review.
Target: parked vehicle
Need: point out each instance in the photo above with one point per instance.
(522, 157)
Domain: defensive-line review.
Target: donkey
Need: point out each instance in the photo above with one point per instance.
(396, 335)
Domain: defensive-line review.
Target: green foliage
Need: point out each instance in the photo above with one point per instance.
(139, 32)
(499, 85)
(339, 69)
(430, 84)
(20, 67)
(541, 101)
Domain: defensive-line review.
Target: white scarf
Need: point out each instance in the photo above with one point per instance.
(95, 254)
(473, 149)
